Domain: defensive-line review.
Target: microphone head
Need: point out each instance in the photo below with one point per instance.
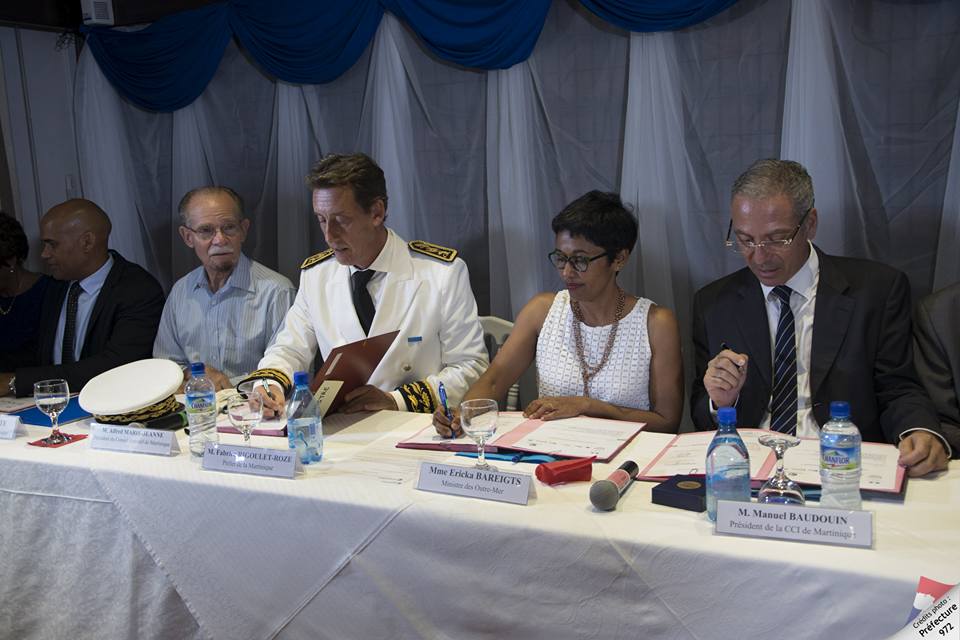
(604, 495)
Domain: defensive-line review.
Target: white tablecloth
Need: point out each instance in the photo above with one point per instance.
(156, 547)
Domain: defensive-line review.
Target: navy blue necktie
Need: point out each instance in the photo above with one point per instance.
(783, 400)
(70, 325)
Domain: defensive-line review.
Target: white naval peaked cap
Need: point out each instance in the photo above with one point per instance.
(131, 387)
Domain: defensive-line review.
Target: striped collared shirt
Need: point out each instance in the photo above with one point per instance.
(230, 329)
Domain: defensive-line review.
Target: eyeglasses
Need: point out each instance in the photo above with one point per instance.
(579, 263)
(746, 246)
(207, 232)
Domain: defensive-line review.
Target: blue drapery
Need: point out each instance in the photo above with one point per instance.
(167, 65)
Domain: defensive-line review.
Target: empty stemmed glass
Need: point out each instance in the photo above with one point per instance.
(245, 411)
(51, 397)
(479, 421)
(779, 488)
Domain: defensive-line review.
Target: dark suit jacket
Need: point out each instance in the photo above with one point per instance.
(862, 347)
(936, 331)
(122, 327)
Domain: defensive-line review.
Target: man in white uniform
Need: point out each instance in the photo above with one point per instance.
(369, 282)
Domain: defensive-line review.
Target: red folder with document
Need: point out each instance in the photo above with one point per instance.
(348, 367)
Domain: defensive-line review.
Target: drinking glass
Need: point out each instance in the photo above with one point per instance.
(245, 411)
(51, 397)
(779, 488)
(479, 421)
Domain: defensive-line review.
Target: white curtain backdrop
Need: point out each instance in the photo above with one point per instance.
(865, 94)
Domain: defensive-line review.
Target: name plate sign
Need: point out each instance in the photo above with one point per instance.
(793, 522)
(115, 437)
(502, 486)
(257, 461)
(9, 427)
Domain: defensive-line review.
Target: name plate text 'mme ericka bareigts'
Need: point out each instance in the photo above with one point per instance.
(793, 522)
(257, 461)
(470, 482)
(115, 437)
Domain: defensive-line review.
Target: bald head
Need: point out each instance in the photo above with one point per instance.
(75, 234)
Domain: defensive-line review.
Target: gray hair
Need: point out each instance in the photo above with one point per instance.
(209, 191)
(773, 177)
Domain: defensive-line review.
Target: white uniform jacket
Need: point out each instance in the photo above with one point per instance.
(427, 298)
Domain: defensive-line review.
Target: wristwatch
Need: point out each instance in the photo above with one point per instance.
(12, 387)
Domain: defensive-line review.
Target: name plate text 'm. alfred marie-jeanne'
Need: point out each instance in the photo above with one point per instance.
(793, 522)
(487, 484)
(114, 437)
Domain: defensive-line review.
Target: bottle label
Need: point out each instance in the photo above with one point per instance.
(840, 458)
(201, 402)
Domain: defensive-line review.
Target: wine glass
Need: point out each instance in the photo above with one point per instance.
(479, 421)
(51, 397)
(779, 488)
(245, 411)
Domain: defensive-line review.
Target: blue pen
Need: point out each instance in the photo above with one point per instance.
(446, 410)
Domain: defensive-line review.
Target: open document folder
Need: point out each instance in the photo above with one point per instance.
(347, 367)
(579, 437)
(687, 454)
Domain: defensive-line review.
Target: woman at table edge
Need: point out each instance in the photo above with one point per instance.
(600, 352)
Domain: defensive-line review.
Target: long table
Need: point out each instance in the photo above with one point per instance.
(106, 545)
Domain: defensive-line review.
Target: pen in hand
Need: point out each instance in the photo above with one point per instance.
(442, 392)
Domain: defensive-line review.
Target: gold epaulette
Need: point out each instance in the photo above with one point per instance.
(433, 250)
(276, 375)
(418, 396)
(316, 258)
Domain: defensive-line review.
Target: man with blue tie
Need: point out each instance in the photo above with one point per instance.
(798, 328)
(102, 312)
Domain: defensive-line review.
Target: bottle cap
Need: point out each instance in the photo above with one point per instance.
(300, 378)
(197, 369)
(839, 409)
(727, 415)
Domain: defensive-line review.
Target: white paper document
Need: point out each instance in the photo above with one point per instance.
(579, 437)
(687, 454)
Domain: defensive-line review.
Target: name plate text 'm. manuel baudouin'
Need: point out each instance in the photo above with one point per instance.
(793, 522)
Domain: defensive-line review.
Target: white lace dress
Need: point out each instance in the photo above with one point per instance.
(625, 379)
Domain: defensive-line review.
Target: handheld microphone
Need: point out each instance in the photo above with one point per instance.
(604, 494)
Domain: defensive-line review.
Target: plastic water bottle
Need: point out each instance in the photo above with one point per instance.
(201, 409)
(304, 427)
(840, 460)
(728, 464)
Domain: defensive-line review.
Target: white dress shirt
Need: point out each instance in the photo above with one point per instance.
(89, 290)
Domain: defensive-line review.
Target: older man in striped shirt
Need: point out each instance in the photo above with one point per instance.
(225, 312)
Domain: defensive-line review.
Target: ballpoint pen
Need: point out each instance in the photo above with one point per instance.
(442, 392)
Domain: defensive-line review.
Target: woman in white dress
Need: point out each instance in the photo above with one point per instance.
(599, 351)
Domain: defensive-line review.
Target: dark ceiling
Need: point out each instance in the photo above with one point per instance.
(60, 15)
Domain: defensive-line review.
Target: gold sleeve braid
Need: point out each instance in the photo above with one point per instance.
(419, 396)
(275, 375)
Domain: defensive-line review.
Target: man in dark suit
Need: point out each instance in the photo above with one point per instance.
(797, 329)
(102, 312)
(936, 332)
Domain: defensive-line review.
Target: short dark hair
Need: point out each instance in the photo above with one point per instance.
(357, 171)
(13, 241)
(209, 190)
(602, 219)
